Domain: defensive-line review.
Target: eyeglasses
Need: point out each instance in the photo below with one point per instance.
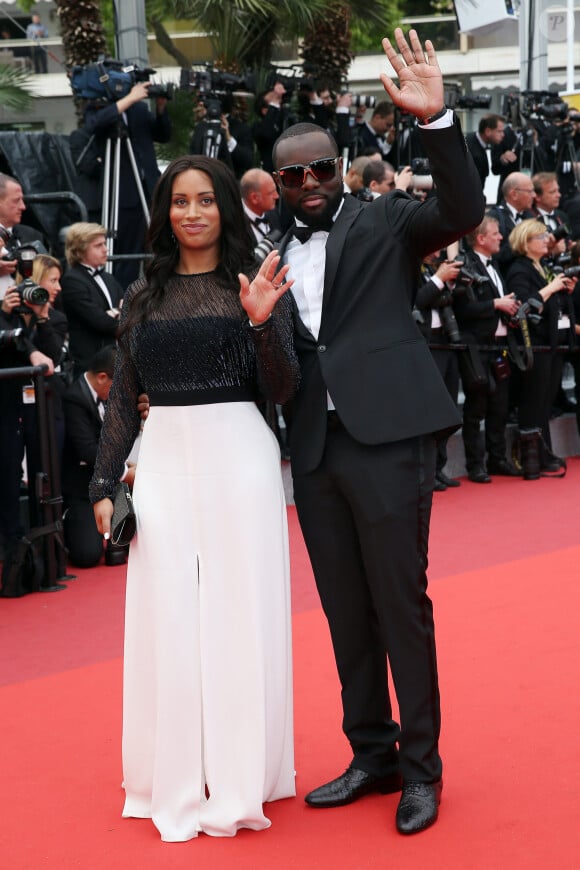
(525, 190)
(541, 236)
(295, 176)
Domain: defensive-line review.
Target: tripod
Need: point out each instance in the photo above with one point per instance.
(111, 188)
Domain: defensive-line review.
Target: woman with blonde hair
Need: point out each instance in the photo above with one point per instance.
(530, 279)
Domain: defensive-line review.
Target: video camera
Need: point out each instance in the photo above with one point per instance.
(108, 80)
(211, 85)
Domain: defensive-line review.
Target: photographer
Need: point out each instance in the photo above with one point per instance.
(547, 199)
(274, 115)
(130, 118)
(15, 233)
(490, 132)
(379, 132)
(331, 112)
(22, 344)
(219, 129)
(528, 278)
(433, 310)
(482, 310)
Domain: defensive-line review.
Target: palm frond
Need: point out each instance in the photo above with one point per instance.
(13, 88)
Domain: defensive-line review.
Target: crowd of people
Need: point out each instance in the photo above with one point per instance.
(292, 284)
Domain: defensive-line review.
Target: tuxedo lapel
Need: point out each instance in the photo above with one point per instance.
(335, 244)
(301, 329)
(89, 401)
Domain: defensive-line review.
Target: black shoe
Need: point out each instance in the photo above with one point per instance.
(503, 467)
(439, 486)
(352, 785)
(478, 475)
(447, 481)
(115, 555)
(419, 806)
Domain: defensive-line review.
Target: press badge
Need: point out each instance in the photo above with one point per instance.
(28, 396)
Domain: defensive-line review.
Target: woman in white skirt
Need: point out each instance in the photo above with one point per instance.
(207, 707)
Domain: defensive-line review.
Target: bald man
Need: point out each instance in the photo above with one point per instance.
(259, 197)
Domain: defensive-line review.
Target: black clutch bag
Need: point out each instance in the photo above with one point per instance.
(123, 521)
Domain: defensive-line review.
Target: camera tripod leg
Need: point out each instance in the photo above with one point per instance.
(111, 191)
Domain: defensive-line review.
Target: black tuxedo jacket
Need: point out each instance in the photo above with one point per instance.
(369, 354)
(85, 306)
(479, 154)
(477, 319)
(83, 428)
(560, 217)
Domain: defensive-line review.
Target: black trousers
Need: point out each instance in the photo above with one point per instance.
(538, 391)
(365, 515)
(446, 362)
(491, 406)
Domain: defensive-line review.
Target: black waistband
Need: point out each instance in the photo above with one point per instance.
(213, 396)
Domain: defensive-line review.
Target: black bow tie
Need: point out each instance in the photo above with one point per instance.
(92, 272)
(489, 263)
(303, 234)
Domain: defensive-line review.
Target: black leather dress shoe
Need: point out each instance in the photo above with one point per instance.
(419, 806)
(439, 486)
(448, 481)
(503, 467)
(478, 475)
(352, 785)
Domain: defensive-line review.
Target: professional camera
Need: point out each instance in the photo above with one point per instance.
(543, 104)
(529, 311)
(447, 317)
(360, 101)
(32, 293)
(12, 338)
(364, 194)
(420, 166)
(23, 254)
(109, 80)
(473, 101)
(561, 232)
(267, 244)
(211, 85)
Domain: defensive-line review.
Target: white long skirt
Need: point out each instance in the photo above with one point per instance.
(207, 699)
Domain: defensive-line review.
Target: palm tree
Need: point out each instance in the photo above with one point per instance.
(13, 88)
(83, 35)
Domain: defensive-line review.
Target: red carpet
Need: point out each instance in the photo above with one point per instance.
(505, 584)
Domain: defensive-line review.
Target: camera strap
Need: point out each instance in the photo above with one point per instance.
(522, 357)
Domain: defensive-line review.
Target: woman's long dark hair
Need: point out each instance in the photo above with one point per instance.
(236, 240)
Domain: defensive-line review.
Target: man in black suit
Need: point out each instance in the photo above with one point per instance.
(379, 133)
(83, 403)
(91, 297)
(481, 311)
(130, 120)
(259, 198)
(362, 441)
(547, 200)
(518, 201)
(12, 207)
(234, 144)
(490, 132)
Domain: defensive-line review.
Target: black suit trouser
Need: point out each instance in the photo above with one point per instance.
(365, 515)
(491, 406)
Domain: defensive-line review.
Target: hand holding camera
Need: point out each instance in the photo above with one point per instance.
(449, 270)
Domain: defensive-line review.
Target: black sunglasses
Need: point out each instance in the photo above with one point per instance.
(295, 176)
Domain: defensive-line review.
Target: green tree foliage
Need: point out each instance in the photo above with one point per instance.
(13, 89)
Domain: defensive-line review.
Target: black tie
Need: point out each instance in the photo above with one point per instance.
(489, 263)
(519, 216)
(303, 234)
(94, 272)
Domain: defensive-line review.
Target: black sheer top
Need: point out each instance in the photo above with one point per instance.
(196, 348)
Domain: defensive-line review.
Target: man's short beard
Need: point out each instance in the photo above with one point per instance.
(321, 217)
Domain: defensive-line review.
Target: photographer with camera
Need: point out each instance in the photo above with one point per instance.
(13, 234)
(518, 201)
(273, 112)
(221, 134)
(436, 321)
(528, 278)
(26, 339)
(490, 132)
(547, 200)
(482, 312)
(129, 118)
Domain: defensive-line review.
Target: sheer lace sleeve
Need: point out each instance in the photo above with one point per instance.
(278, 371)
(121, 423)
